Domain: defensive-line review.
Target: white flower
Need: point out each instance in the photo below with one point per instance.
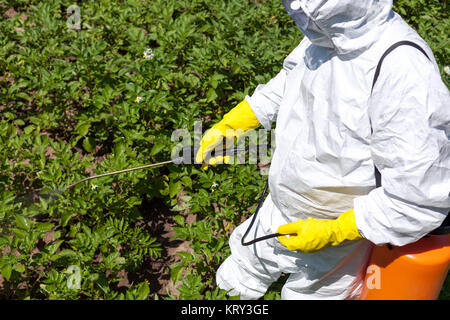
(447, 70)
(148, 54)
(93, 186)
(138, 99)
(295, 5)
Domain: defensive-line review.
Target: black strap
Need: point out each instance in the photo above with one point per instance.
(377, 73)
(389, 50)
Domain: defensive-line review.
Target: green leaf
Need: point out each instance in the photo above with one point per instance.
(179, 219)
(133, 201)
(176, 272)
(29, 129)
(157, 147)
(164, 191)
(238, 297)
(83, 129)
(89, 144)
(211, 95)
(187, 181)
(6, 271)
(22, 234)
(23, 222)
(119, 148)
(174, 188)
(66, 253)
(44, 226)
(143, 290)
(20, 268)
(23, 95)
(102, 283)
(51, 248)
(65, 217)
(113, 260)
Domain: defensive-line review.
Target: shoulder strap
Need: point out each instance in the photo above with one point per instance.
(377, 73)
(389, 50)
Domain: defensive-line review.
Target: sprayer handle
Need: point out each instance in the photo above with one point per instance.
(190, 152)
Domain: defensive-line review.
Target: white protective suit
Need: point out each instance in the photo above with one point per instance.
(325, 153)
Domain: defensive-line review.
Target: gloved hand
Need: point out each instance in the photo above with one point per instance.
(316, 234)
(234, 124)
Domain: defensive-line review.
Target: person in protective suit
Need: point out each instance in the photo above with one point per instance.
(334, 125)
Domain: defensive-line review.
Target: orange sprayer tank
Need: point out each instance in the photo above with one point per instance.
(416, 271)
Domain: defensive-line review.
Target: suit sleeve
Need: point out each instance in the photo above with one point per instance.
(266, 99)
(410, 116)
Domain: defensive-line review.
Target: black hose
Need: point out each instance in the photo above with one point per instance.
(269, 236)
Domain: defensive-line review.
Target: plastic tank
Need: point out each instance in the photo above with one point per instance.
(416, 271)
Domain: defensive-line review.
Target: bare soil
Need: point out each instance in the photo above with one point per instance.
(159, 222)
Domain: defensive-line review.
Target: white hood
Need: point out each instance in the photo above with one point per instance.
(350, 25)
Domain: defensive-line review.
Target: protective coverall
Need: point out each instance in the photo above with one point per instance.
(331, 130)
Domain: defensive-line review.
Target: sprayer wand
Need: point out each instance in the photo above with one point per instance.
(189, 153)
(120, 171)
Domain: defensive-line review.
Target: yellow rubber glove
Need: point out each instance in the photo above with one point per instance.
(234, 124)
(316, 234)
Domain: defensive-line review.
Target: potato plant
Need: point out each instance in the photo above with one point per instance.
(96, 86)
